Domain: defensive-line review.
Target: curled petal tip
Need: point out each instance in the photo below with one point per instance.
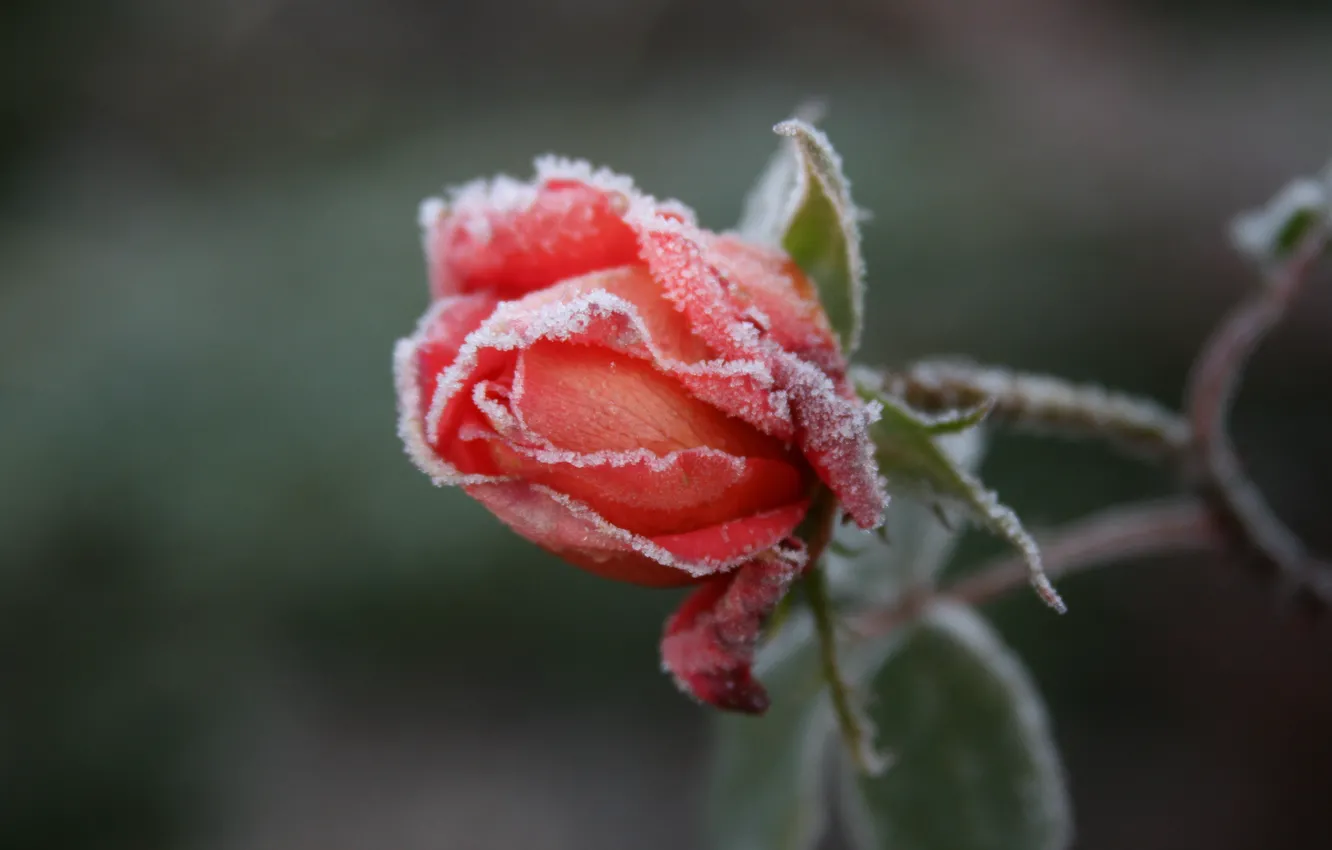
(740, 693)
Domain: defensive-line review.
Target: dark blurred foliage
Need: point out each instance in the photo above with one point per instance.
(233, 615)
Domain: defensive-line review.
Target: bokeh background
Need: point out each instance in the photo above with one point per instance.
(232, 615)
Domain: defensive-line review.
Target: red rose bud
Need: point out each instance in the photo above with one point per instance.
(648, 400)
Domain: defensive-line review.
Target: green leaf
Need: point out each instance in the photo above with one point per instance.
(957, 421)
(767, 772)
(973, 766)
(1274, 232)
(913, 462)
(873, 569)
(803, 204)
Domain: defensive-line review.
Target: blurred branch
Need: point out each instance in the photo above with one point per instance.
(1104, 538)
(1234, 499)
(1230, 512)
(1043, 404)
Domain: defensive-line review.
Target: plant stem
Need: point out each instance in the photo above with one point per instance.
(1234, 499)
(856, 729)
(1106, 537)
(854, 726)
(1044, 404)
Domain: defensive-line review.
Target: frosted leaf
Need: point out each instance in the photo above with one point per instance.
(915, 465)
(873, 569)
(803, 203)
(1271, 233)
(975, 765)
(1041, 404)
(768, 206)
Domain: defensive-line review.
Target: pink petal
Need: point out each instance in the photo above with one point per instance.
(588, 399)
(452, 320)
(833, 432)
(675, 257)
(736, 538)
(554, 231)
(708, 646)
(446, 329)
(575, 532)
(770, 282)
(665, 327)
(831, 424)
(648, 495)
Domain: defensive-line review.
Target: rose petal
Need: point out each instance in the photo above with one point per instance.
(419, 362)
(736, 538)
(740, 387)
(833, 432)
(666, 328)
(675, 257)
(597, 318)
(832, 427)
(572, 530)
(708, 645)
(651, 495)
(511, 239)
(770, 282)
(756, 381)
(442, 337)
(588, 399)
(443, 334)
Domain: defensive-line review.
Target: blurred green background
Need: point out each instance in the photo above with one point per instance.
(233, 615)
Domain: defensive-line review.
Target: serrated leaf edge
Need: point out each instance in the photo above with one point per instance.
(983, 504)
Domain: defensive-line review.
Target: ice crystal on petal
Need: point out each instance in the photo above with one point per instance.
(498, 195)
(835, 435)
(430, 212)
(552, 168)
(512, 327)
(619, 538)
(709, 644)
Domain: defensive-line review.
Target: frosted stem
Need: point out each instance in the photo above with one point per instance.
(856, 729)
(1104, 538)
(1211, 394)
(1043, 404)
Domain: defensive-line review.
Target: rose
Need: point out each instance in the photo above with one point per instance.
(651, 401)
